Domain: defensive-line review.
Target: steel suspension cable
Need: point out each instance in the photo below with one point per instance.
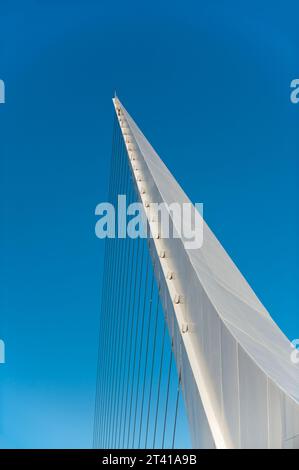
(131, 334)
(146, 358)
(109, 321)
(176, 409)
(141, 347)
(152, 368)
(136, 342)
(126, 310)
(120, 319)
(101, 338)
(159, 384)
(115, 309)
(107, 432)
(124, 280)
(167, 398)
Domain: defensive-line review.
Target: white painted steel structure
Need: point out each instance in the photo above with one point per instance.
(240, 386)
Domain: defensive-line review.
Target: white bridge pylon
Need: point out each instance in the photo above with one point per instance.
(240, 387)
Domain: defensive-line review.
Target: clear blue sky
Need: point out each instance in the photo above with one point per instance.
(208, 83)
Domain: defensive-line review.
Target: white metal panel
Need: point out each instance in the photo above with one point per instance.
(230, 385)
(276, 416)
(233, 348)
(290, 421)
(253, 404)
